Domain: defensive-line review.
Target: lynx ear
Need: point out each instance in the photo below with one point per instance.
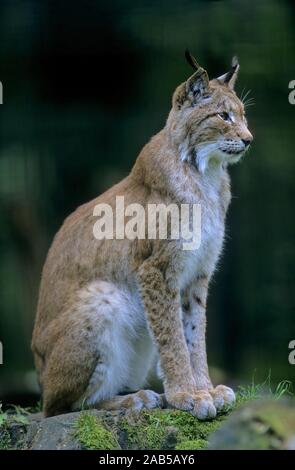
(195, 88)
(230, 77)
(197, 85)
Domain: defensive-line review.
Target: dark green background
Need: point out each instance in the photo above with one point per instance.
(85, 86)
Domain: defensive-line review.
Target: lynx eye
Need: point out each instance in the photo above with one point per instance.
(225, 116)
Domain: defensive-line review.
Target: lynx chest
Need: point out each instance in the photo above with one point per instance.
(202, 259)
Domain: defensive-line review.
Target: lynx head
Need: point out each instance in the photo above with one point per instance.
(207, 121)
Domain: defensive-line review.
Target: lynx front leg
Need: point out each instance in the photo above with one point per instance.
(194, 319)
(161, 300)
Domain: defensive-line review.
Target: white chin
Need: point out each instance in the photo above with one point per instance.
(207, 156)
(234, 158)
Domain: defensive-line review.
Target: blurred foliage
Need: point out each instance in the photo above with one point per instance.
(85, 86)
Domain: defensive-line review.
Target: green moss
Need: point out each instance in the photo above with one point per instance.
(5, 439)
(166, 429)
(93, 434)
(196, 444)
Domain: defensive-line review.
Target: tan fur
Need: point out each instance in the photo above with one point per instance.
(87, 284)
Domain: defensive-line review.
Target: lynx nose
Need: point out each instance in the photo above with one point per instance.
(247, 142)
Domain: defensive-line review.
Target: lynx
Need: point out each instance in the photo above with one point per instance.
(114, 314)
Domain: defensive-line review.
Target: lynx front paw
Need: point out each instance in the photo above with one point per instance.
(222, 397)
(199, 404)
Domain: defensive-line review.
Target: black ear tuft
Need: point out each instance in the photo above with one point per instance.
(230, 77)
(235, 61)
(191, 60)
(230, 74)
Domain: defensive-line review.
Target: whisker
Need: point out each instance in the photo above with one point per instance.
(249, 99)
(249, 102)
(242, 94)
(245, 96)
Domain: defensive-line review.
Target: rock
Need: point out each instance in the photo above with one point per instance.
(52, 433)
(102, 430)
(263, 424)
(267, 424)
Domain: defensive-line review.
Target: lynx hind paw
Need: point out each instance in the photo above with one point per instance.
(143, 399)
(199, 404)
(222, 397)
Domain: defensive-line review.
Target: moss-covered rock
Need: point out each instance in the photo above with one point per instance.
(94, 434)
(263, 424)
(195, 444)
(5, 439)
(12, 428)
(166, 429)
(102, 430)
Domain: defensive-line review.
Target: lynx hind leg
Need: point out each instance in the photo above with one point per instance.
(66, 371)
(143, 399)
(91, 350)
